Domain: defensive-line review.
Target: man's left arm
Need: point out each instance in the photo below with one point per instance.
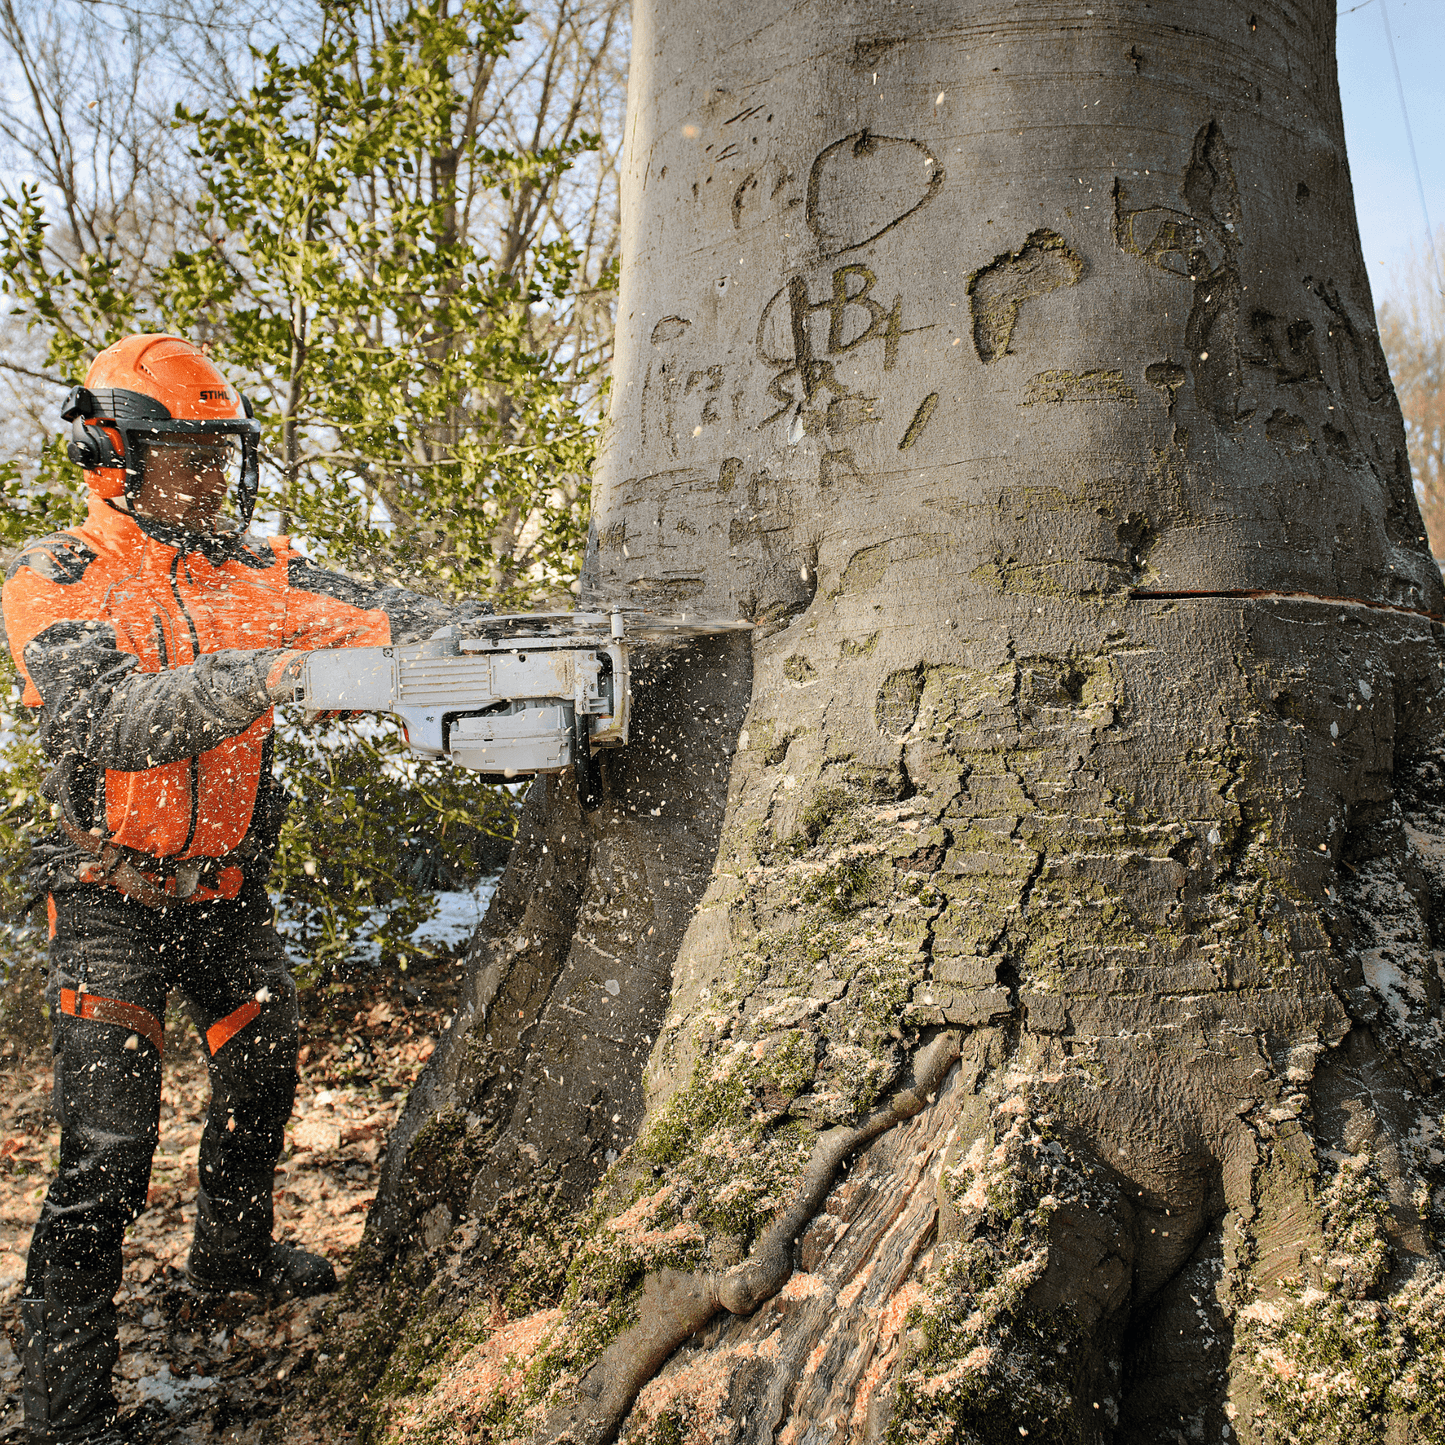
(337, 611)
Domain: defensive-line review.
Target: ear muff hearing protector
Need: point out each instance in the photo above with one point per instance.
(89, 446)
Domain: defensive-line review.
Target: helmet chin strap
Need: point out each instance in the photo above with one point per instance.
(250, 482)
(248, 486)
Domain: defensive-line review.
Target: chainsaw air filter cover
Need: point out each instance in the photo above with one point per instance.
(526, 737)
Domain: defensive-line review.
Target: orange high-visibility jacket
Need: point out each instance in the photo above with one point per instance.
(146, 648)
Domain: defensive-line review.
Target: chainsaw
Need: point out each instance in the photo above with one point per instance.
(511, 696)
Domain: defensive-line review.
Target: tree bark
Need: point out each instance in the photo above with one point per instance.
(1031, 943)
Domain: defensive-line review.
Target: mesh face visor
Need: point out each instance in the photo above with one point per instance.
(200, 445)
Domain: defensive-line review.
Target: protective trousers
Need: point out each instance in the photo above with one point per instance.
(113, 961)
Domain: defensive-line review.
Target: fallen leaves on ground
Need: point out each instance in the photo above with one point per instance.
(224, 1367)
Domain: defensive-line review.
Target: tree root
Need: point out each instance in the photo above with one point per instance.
(675, 1305)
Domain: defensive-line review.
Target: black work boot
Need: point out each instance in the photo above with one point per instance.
(283, 1273)
(227, 1257)
(68, 1351)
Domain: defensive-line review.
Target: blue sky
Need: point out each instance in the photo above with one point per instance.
(1386, 198)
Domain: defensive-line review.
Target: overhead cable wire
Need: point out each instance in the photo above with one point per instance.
(1410, 139)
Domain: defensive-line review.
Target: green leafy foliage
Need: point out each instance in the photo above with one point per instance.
(24, 816)
(394, 287)
(365, 871)
(417, 424)
(36, 505)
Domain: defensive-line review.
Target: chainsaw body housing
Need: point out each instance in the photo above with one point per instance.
(509, 704)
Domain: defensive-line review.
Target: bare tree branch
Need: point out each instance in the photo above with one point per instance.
(38, 375)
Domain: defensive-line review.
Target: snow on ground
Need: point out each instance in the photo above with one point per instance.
(457, 917)
(458, 914)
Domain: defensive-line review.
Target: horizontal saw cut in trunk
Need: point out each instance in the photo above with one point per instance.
(1041, 1007)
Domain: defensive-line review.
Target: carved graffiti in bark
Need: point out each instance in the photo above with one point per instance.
(1200, 240)
(996, 292)
(863, 185)
(786, 337)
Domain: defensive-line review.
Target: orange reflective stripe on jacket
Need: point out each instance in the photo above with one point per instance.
(166, 607)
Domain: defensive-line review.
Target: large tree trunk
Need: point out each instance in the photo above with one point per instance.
(1053, 1019)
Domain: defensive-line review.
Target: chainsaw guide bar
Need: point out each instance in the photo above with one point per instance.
(640, 626)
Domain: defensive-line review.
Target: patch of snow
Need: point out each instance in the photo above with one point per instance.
(1388, 983)
(166, 1390)
(458, 914)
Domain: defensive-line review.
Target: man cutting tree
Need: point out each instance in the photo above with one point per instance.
(154, 638)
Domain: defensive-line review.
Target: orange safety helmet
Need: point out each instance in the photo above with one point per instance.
(151, 388)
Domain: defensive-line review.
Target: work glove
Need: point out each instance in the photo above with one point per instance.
(283, 676)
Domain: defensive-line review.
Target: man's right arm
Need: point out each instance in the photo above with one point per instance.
(96, 705)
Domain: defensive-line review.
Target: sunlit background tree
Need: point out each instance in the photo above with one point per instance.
(1412, 330)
